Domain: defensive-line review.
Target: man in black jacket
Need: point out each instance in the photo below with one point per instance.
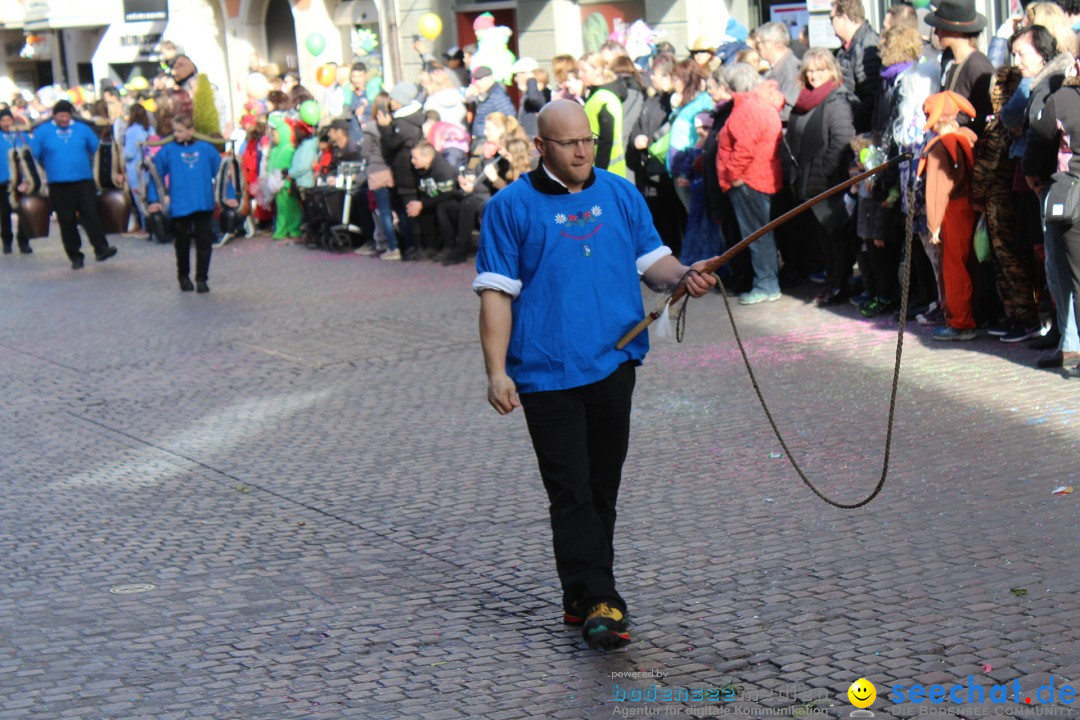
(399, 132)
(437, 184)
(858, 58)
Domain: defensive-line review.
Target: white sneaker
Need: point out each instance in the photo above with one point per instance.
(391, 255)
(365, 249)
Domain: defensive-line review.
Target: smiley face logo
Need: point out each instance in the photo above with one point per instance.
(862, 693)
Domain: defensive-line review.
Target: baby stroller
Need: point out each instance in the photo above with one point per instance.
(330, 210)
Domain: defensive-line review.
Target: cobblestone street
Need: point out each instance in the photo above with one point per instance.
(304, 466)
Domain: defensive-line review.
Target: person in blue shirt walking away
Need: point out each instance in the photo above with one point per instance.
(65, 149)
(9, 139)
(189, 166)
(562, 252)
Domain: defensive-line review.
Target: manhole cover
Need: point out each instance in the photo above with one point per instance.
(131, 589)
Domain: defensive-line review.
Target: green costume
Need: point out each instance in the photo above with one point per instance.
(289, 214)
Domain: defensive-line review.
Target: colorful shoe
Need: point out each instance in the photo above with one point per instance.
(877, 307)
(605, 628)
(951, 333)
(573, 616)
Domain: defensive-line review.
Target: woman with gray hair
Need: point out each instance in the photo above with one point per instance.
(748, 168)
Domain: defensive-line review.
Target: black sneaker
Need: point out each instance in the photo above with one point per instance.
(186, 285)
(77, 263)
(1019, 332)
(7, 250)
(202, 287)
(1049, 341)
(26, 250)
(605, 628)
(105, 254)
(1001, 329)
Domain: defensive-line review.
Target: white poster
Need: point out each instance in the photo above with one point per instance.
(822, 33)
(794, 15)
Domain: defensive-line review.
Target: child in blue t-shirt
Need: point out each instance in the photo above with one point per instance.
(189, 167)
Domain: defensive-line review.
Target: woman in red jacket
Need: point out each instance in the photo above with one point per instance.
(748, 168)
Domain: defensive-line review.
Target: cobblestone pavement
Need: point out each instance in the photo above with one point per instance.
(336, 525)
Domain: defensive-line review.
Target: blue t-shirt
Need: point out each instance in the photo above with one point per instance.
(66, 154)
(572, 262)
(8, 142)
(190, 170)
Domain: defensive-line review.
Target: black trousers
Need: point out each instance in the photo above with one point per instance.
(6, 234)
(197, 226)
(437, 227)
(75, 203)
(580, 437)
(460, 216)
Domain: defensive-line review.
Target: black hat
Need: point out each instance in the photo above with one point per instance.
(340, 124)
(63, 106)
(481, 72)
(6, 112)
(957, 16)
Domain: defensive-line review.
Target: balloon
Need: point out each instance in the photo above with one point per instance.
(374, 87)
(430, 25)
(310, 112)
(257, 86)
(315, 44)
(326, 75)
(919, 4)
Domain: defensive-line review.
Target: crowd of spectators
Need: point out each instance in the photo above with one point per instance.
(719, 139)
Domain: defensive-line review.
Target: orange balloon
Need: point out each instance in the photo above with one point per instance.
(326, 75)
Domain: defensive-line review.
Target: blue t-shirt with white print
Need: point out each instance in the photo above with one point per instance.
(190, 169)
(573, 262)
(66, 154)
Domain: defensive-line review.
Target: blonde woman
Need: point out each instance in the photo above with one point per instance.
(1051, 16)
(820, 129)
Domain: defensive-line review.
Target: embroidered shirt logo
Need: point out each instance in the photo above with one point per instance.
(579, 219)
(63, 134)
(190, 158)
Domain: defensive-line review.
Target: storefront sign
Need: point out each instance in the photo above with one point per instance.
(146, 44)
(141, 10)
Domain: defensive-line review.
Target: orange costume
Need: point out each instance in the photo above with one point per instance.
(947, 161)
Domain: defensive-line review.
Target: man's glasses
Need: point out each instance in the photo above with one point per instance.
(587, 142)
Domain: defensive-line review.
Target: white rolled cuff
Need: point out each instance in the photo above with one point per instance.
(495, 281)
(646, 261)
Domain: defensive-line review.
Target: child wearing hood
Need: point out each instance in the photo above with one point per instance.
(289, 214)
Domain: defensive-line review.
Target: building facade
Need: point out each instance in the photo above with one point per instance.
(71, 42)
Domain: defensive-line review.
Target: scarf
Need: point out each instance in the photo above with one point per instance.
(893, 70)
(810, 99)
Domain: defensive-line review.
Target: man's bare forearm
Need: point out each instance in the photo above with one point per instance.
(496, 321)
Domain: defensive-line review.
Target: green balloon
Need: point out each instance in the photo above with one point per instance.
(374, 87)
(310, 112)
(315, 44)
(919, 4)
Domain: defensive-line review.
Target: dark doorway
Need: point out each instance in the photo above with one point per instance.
(281, 35)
